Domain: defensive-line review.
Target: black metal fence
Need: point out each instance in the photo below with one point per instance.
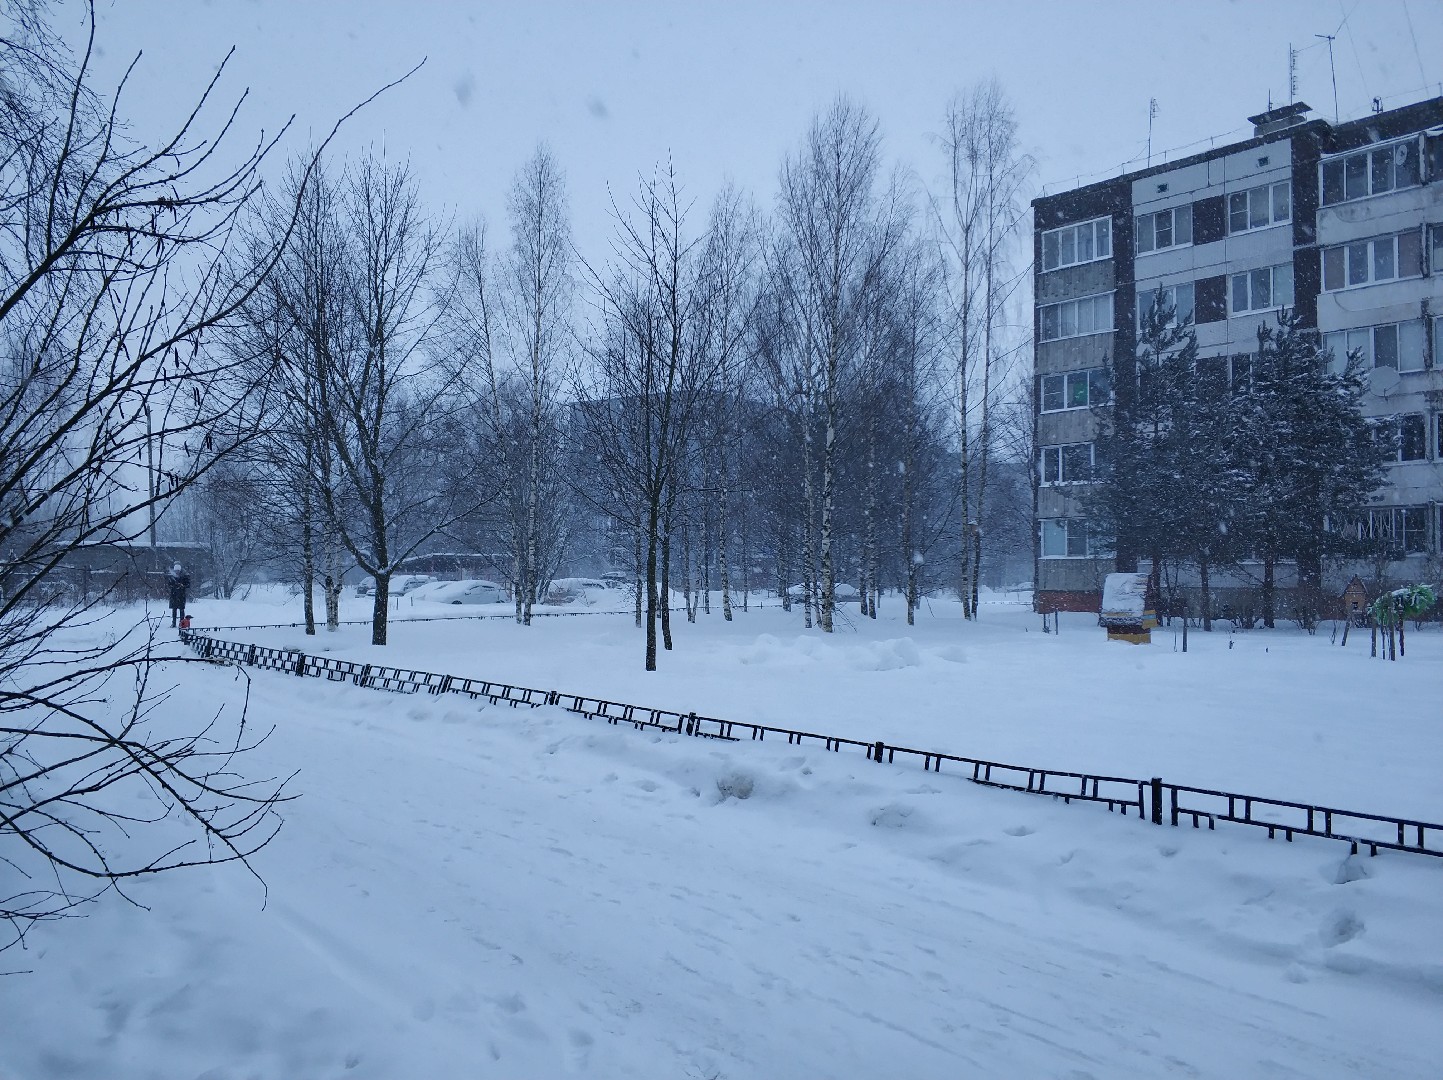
(1154, 799)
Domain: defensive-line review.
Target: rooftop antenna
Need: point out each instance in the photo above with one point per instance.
(1332, 71)
(1292, 74)
(1151, 115)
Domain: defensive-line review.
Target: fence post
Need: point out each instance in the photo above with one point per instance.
(300, 663)
(1157, 800)
(877, 751)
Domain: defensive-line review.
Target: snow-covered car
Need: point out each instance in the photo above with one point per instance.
(461, 592)
(401, 584)
(842, 593)
(574, 590)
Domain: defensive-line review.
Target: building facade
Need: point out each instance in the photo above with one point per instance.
(1341, 223)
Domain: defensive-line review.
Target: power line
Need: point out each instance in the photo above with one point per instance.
(1413, 36)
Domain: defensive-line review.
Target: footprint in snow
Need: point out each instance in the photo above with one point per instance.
(1339, 927)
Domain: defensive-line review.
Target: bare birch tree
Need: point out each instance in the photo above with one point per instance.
(978, 220)
(376, 402)
(648, 375)
(830, 214)
(534, 304)
(728, 287)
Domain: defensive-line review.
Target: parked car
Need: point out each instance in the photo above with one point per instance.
(574, 590)
(401, 584)
(842, 593)
(461, 592)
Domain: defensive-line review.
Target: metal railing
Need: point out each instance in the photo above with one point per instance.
(1152, 799)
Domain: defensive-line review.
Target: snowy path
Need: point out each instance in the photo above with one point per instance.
(469, 891)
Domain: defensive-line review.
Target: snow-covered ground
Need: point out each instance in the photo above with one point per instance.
(466, 890)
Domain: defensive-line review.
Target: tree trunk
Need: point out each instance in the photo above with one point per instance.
(869, 542)
(1206, 593)
(809, 506)
(664, 595)
(518, 581)
(651, 544)
(332, 590)
(379, 608)
(692, 599)
(724, 578)
(964, 586)
(1269, 591)
(308, 564)
(638, 572)
(829, 578)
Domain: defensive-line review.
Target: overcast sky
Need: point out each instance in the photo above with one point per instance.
(726, 88)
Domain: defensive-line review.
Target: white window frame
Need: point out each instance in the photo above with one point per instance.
(1102, 322)
(1344, 258)
(1099, 236)
(1074, 531)
(1094, 379)
(1408, 348)
(1057, 453)
(1146, 226)
(1368, 154)
(1390, 523)
(1265, 195)
(1171, 292)
(1250, 305)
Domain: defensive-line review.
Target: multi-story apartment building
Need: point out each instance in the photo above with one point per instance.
(1342, 223)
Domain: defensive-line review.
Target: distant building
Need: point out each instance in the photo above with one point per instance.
(1342, 223)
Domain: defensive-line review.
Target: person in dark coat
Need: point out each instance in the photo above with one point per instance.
(179, 582)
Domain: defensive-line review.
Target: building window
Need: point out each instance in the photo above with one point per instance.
(1367, 261)
(1069, 464)
(1413, 437)
(1394, 345)
(1164, 229)
(1370, 172)
(1259, 207)
(1265, 289)
(1405, 437)
(1077, 244)
(1435, 249)
(1075, 390)
(1064, 538)
(1176, 298)
(1396, 530)
(1075, 318)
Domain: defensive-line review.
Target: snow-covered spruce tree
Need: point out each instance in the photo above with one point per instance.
(1308, 454)
(1167, 484)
